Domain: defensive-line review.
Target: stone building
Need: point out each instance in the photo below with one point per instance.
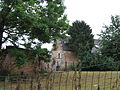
(62, 56)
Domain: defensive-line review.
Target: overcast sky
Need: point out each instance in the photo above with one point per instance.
(94, 12)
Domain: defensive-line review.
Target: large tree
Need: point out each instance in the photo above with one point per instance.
(29, 22)
(81, 39)
(110, 39)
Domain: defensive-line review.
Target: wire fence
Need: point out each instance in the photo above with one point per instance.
(63, 80)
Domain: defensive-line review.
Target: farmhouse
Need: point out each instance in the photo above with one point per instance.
(62, 56)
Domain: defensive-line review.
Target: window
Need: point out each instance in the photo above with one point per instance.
(59, 55)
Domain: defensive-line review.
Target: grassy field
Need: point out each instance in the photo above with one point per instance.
(109, 80)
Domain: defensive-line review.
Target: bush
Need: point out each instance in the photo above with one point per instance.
(96, 62)
(109, 64)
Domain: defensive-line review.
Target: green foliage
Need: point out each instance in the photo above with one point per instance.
(96, 62)
(43, 54)
(109, 64)
(81, 39)
(108, 56)
(20, 57)
(110, 39)
(28, 21)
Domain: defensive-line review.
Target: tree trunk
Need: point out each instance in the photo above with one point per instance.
(1, 32)
(4, 13)
(1, 35)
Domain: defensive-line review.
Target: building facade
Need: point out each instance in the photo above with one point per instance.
(63, 57)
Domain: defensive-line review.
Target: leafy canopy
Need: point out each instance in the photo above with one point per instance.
(81, 39)
(110, 39)
(29, 22)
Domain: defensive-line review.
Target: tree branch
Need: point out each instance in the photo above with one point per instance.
(5, 39)
(13, 43)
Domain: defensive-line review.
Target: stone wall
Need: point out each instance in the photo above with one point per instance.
(70, 58)
(31, 67)
(64, 59)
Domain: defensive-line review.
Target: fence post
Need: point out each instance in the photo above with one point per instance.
(53, 80)
(98, 87)
(86, 79)
(47, 80)
(99, 81)
(38, 83)
(5, 79)
(75, 80)
(105, 79)
(60, 81)
(79, 82)
(111, 81)
(18, 83)
(67, 80)
(31, 83)
(92, 80)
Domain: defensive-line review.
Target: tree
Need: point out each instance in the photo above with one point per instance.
(110, 39)
(30, 23)
(81, 39)
(23, 22)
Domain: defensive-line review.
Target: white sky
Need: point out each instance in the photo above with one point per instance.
(95, 13)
